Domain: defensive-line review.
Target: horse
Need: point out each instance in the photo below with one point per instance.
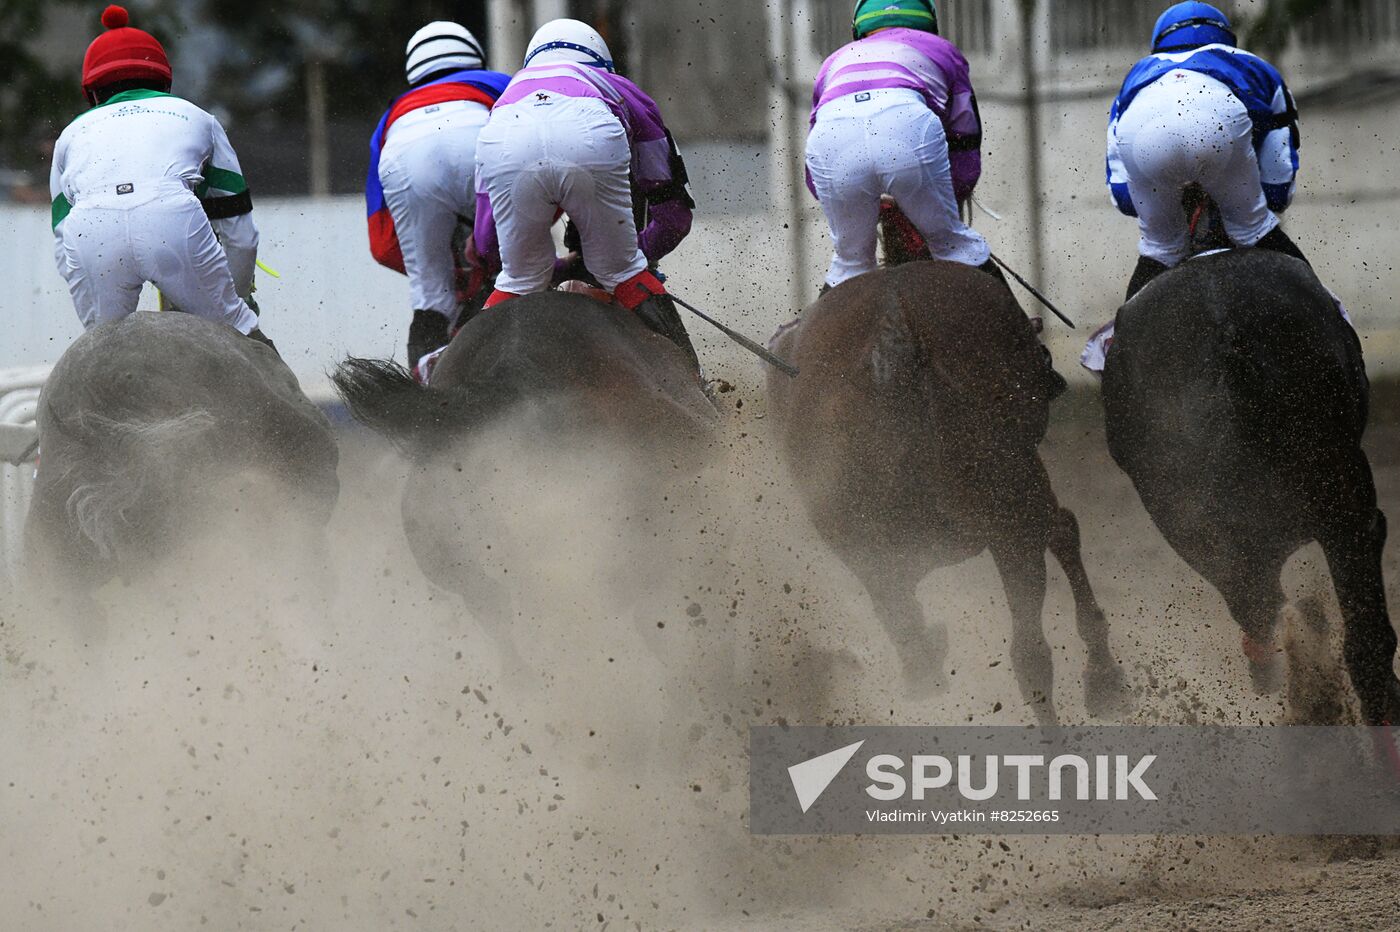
(142, 420)
(1235, 397)
(912, 436)
(557, 386)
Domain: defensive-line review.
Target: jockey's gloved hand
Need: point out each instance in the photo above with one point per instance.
(257, 334)
(570, 267)
(659, 313)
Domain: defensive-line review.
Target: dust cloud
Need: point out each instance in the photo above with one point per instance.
(263, 735)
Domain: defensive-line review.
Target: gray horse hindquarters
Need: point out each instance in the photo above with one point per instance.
(912, 437)
(142, 422)
(1235, 398)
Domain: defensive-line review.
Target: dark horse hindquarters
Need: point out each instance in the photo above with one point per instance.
(143, 415)
(912, 436)
(548, 395)
(1235, 398)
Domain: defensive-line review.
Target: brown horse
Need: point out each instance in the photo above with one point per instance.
(912, 435)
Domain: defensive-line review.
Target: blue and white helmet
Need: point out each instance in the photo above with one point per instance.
(1190, 26)
(568, 40)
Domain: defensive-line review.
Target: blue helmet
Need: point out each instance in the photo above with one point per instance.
(1191, 25)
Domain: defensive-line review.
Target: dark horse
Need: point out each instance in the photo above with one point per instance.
(542, 382)
(912, 434)
(1235, 398)
(141, 419)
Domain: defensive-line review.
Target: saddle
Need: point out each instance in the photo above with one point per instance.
(577, 286)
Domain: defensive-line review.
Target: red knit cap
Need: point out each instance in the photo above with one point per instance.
(122, 53)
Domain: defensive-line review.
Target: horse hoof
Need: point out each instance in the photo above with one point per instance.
(1045, 714)
(1267, 677)
(925, 683)
(1386, 745)
(923, 672)
(1105, 693)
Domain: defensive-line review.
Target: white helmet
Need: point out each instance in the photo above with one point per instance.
(439, 46)
(568, 40)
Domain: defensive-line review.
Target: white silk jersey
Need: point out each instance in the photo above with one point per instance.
(137, 147)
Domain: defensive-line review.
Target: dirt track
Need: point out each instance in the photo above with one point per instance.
(239, 750)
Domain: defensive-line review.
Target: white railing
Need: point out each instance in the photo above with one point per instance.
(19, 403)
(19, 435)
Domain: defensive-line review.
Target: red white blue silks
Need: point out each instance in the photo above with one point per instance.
(482, 87)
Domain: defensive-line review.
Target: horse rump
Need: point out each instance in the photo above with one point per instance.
(1244, 348)
(118, 475)
(140, 421)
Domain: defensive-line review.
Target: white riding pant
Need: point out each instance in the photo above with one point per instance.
(111, 244)
(536, 157)
(428, 170)
(885, 142)
(1187, 127)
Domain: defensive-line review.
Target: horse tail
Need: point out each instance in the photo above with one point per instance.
(383, 396)
(118, 467)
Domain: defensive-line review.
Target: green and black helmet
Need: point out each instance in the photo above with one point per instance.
(871, 15)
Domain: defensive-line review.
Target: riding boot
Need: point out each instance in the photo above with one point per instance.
(257, 334)
(659, 313)
(429, 331)
(1278, 241)
(1147, 269)
(1055, 383)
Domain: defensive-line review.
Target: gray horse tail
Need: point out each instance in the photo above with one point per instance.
(126, 466)
(383, 396)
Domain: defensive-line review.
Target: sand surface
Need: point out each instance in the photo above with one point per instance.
(259, 739)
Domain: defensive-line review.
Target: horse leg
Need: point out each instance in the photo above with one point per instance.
(448, 564)
(1315, 674)
(1354, 557)
(922, 649)
(1104, 691)
(491, 607)
(62, 569)
(1255, 599)
(1024, 511)
(1022, 568)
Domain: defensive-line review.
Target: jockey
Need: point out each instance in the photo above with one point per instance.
(146, 187)
(565, 137)
(1199, 109)
(422, 165)
(893, 113)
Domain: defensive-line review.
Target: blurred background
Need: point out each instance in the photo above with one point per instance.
(300, 89)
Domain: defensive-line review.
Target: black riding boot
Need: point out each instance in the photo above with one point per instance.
(257, 334)
(1147, 269)
(429, 331)
(659, 313)
(1055, 381)
(1278, 241)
